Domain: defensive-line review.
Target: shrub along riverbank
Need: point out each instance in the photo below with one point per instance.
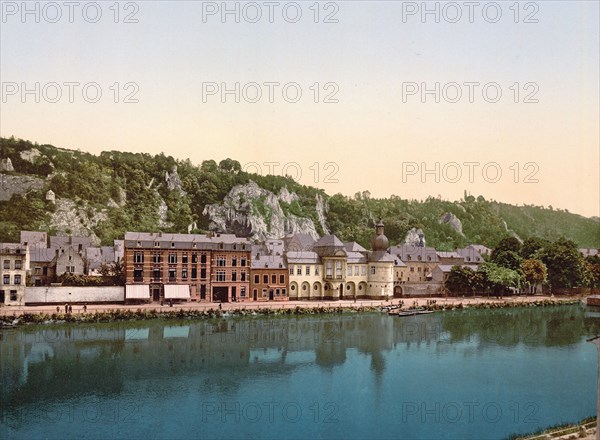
(144, 314)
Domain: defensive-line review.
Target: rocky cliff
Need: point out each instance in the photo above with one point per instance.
(251, 211)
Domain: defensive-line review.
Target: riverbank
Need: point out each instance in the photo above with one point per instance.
(14, 316)
(584, 430)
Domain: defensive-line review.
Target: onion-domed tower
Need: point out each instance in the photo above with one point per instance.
(380, 277)
(380, 242)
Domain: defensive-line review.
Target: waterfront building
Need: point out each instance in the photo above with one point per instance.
(334, 271)
(419, 261)
(14, 263)
(211, 267)
(268, 278)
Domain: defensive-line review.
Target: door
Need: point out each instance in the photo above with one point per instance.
(156, 294)
(255, 294)
(233, 298)
(270, 294)
(1, 296)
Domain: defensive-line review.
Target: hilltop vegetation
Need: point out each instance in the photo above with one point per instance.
(131, 191)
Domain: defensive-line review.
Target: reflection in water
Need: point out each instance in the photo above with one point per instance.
(365, 375)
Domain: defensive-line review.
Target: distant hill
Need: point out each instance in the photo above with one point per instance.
(104, 196)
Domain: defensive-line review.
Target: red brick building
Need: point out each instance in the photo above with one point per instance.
(269, 278)
(184, 267)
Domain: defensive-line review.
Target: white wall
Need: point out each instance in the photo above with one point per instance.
(65, 294)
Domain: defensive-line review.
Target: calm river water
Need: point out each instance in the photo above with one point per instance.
(459, 375)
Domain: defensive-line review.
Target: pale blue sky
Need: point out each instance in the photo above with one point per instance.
(369, 54)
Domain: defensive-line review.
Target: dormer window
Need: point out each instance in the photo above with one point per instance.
(156, 244)
(139, 244)
(172, 244)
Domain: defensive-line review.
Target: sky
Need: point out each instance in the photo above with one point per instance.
(416, 99)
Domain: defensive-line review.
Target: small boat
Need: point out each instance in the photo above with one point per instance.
(593, 300)
(411, 312)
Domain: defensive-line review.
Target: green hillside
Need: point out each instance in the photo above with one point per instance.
(128, 190)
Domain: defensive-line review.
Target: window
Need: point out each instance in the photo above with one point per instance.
(6, 279)
(172, 275)
(243, 262)
(291, 270)
(203, 291)
(17, 279)
(221, 275)
(419, 269)
(203, 258)
(420, 258)
(234, 276)
(363, 270)
(298, 270)
(349, 271)
(307, 270)
(243, 292)
(184, 273)
(281, 279)
(255, 292)
(264, 292)
(18, 264)
(256, 279)
(338, 269)
(202, 273)
(277, 292)
(283, 292)
(412, 269)
(156, 258)
(38, 270)
(317, 271)
(221, 261)
(194, 273)
(138, 274)
(356, 269)
(273, 279)
(265, 279)
(234, 262)
(7, 264)
(372, 270)
(329, 269)
(138, 257)
(70, 258)
(243, 276)
(184, 259)
(172, 244)
(172, 258)
(13, 295)
(156, 274)
(194, 258)
(156, 244)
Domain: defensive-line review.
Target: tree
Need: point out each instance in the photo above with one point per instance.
(497, 279)
(532, 245)
(507, 244)
(461, 280)
(534, 273)
(564, 262)
(508, 259)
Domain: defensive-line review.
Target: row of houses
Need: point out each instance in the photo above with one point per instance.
(225, 268)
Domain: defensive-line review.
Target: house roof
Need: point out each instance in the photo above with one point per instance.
(409, 253)
(295, 257)
(470, 254)
(356, 257)
(329, 241)
(448, 267)
(185, 241)
(268, 262)
(381, 256)
(42, 255)
(443, 254)
(299, 241)
(353, 246)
